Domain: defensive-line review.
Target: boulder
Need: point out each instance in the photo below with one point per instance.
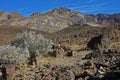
(98, 42)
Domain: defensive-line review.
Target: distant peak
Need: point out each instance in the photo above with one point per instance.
(16, 14)
(36, 14)
(101, 14)
(3, 12)
(61, 10)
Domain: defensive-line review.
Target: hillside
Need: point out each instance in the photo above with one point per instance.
(85, 32)
(7, 33)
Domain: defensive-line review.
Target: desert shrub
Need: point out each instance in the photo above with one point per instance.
(35, 43)
(12, 55)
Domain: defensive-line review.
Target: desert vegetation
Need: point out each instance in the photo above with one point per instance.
(25, 47)
(36, 44)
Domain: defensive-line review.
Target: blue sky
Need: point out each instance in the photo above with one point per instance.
(27, 7)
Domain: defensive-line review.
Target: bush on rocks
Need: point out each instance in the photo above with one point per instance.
(36, 44)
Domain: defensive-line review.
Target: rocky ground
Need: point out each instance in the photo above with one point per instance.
(71, 59)
(96, 65)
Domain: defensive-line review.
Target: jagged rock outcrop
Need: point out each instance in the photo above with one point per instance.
(36, 14)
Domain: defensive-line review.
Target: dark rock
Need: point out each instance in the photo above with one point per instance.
(98, 42)
(93, 54)
(95, 42)
(111, 76)
(69, 54)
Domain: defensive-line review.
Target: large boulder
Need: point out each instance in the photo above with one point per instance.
(99, 42)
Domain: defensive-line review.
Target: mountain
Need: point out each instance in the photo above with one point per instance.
(57, 19)
(103, 19)
(10, 18)
(54, 20)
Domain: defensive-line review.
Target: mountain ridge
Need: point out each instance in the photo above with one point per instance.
(57, 19)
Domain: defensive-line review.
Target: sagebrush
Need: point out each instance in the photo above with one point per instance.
(35, 43)
(13, 55)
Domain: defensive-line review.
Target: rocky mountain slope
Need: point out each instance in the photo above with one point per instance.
(57, 19)
(82, 34)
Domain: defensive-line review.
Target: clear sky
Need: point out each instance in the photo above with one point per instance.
(27, 7)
